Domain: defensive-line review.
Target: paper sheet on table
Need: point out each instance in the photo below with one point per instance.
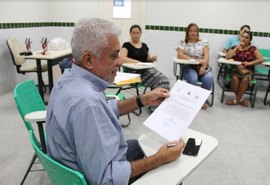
(174, 114)
(126, 78)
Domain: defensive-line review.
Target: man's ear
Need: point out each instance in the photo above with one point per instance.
(87, 60)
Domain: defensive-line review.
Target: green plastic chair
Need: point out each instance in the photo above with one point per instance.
(261, 71)
(252, 91)
(28, 100)
(58, 173)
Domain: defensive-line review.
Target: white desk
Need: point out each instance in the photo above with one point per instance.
(177, 66)
(174, 173)
(39, 117)
(225, 61)
(266, 64)
(139, 66)
(183, 61)
(53, 57)
(221, 54)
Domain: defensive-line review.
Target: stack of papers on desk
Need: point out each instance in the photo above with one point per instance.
(126, 78)
(173, 116)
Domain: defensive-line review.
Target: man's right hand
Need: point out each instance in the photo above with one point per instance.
(164, 155)
(171, 153)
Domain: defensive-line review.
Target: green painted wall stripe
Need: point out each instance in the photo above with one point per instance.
(147, 27)
(35, 24)
(203, 30)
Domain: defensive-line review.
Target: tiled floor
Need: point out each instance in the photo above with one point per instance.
(242, 157)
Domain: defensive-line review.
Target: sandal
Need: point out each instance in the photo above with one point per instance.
(231, 102)
(244, 103)
(205, 106)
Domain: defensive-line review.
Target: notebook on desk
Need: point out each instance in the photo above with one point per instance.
(126, 78)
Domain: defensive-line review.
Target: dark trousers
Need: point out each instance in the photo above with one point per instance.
(134, 153)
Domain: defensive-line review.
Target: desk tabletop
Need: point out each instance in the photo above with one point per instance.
(266, 64)
(183, 61)
(50, 55)
(36, 116)
(173, 173)
(140, 65)
(221, 54)
(231, 61)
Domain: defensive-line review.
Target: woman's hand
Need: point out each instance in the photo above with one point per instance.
(152, 58)
(201, 70)
(245, 63)
(201, 67)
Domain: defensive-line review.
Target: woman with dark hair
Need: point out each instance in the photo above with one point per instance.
(136, 51)
(234, 40)
(243, 74)
(197, 49)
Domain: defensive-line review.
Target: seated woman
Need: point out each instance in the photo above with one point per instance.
(195, 48)
(235, 40)
(243, 74)
(136, 51)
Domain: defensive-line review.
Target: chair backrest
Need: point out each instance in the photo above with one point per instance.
(265, 53)
(28, 99)
(58, 173)
(15, 47)
(262, 70)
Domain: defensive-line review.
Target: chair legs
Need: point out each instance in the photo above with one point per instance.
(266, 95)
(129, 120)
(210, 103)
(252, 92)
(29, 168)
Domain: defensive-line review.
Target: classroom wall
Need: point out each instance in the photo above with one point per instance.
(226, 14)
(210, 14)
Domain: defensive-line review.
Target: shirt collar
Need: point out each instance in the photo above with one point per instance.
(83, 73)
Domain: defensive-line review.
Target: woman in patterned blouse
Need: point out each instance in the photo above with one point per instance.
(249, 56)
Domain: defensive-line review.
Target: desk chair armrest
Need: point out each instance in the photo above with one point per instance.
(37, 116)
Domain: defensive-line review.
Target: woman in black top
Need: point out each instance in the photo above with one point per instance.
(136, 51)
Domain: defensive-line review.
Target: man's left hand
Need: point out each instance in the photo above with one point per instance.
(154, 97)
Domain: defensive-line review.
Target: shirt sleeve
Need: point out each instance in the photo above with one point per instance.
(100, 150)
(205, 43)
(181, 45)
(113, 103)
(126, 45)
(228, 44)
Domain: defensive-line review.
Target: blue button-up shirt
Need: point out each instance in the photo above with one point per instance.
(83, 131)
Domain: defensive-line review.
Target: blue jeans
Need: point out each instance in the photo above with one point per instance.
(134, 153)
(192, 77)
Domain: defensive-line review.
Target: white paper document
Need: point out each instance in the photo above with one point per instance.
(175, 113)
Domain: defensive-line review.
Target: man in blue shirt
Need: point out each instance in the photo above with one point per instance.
(235, 40)
(82, 127)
